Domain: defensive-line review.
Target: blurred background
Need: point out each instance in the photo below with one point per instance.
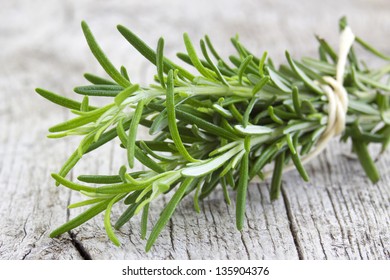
(42, 43)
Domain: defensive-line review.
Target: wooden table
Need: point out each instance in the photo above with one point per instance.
(338, 215)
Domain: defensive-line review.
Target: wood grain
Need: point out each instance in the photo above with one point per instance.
(338, 215)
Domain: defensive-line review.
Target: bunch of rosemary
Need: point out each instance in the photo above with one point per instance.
(221, 127)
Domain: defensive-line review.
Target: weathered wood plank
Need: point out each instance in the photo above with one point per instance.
(210, 234)
(29, 204)
(340, 214)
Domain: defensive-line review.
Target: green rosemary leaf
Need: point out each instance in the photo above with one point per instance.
(201, 123)
(149, 54)
(167, 212)
(196, 197)
(197, 112)
(172, 120)
(243, 66)
(119, 188)
(159, 123)
(104, 138)
(86, 202)
(236, 113)
(85, 143)
(299, 125)
(222, 111)
(186, 58)
(81, 219)
(241, 51)
(299, 166)
(324, 68)
(195, 59)
(146, 161)
(278, 80)
(88, 117)
(385, 131)
(327, 48)
(302, 75)
(290, 144)
(212, 65)
(259, 85)
(322, 54)
(121, 133)
(371, 49)
(369, 81)
(124, 73)
(296, 101)
(133, 133)
(253, 129)
(98, 90)
(273, 116)
(127, 92)
(144, 221)
(132, 197)
(227, 168)
(107, 220)
(84, 104)
(230, 179)
(262, 64)
(216, 55)
(242, 191)
(159, 146)
(209, 186)
(69, 184)
(262, 160)
(99, 179)
(150, 152)
(245, 117)
(69, 164)
(122, 174)
(101, 57)
(61, 100)
(202, 135)
(126, 216)
(210, 165)
(160, 61)
(277, 176)
(307, 107)
(295, 158)
(365, 159)
(96, 80)
(225, 191)
(223, 148)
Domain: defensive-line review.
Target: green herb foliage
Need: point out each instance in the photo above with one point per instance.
(222, 127)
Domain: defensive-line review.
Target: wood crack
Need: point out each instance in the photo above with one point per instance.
(293, 227)
(245, 246)
(172, 238)
(79, 246)
(76, 243)
(25, 255)
(336, 215)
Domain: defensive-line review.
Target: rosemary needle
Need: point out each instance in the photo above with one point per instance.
(224, 125)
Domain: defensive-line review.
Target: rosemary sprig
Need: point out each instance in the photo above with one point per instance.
(221, 127)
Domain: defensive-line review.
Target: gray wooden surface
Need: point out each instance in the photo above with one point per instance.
(338, 215)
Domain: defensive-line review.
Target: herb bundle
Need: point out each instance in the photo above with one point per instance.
(228, 124)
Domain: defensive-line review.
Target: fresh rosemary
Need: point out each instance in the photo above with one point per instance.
(230, 123)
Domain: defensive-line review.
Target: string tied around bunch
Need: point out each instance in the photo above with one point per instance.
(337, 96)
